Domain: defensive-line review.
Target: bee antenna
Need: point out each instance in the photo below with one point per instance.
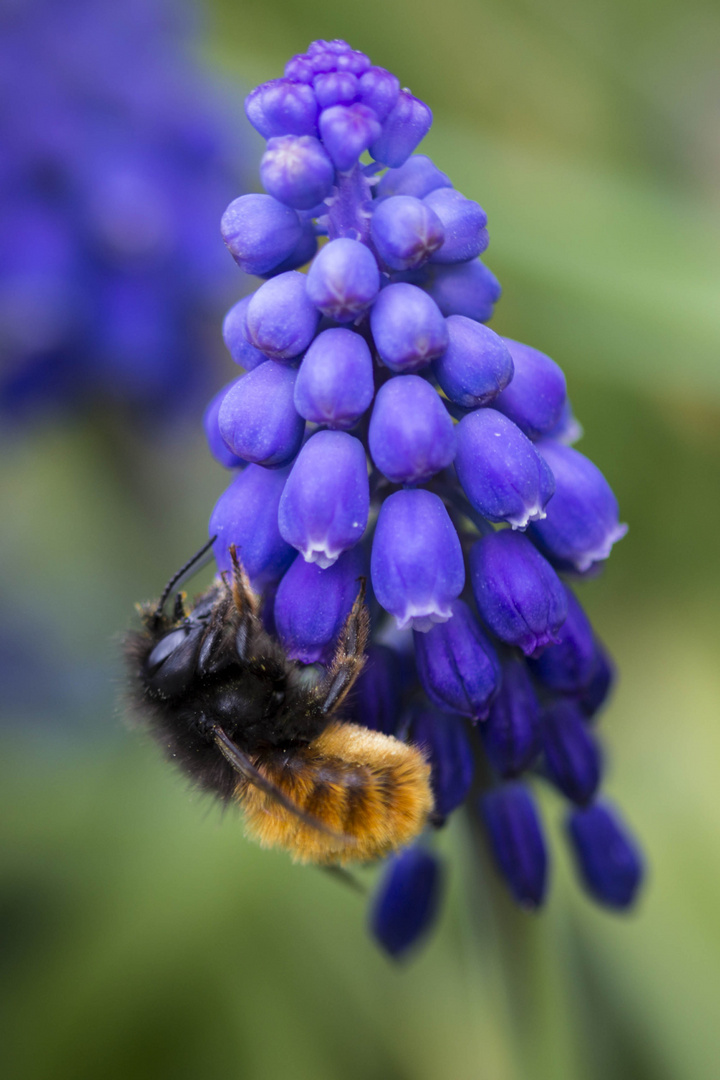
(189, 565)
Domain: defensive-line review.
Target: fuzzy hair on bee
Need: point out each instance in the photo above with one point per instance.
(243, 722)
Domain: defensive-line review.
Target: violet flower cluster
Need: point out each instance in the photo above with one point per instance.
(118, 154)
(381, 429)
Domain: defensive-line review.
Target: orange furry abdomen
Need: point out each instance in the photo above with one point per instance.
(371, 788)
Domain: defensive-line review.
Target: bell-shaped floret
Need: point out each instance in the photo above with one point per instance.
(408, 328)
(407, 902)
(463, 222)
(511, 733)
(535, 398)
(571, 754)
(281, 107)
(476, 364)
(417, 565)
(405, 232)
(242, 352)
(582, 522)
(418, 176)
(335, 381)
(403, 129)
(457, 664)
(296, 171)
(343, 280)
(311, 605)
(568, 666)
(258, 419)
(500, 470)
(246, 515)
(218, 447)
(445, 742)
(325, 504)
(517, 842)
(411, 435)
(347, 131)
(281, 320)
(517, 592)
(607, 857)
(260, 232)
(468, 288)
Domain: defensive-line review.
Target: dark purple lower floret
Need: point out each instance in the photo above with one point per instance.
(407, 902)
(608, 859)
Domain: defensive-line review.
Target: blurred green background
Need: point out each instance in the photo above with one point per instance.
(144, 937)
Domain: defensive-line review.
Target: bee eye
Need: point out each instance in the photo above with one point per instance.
(171, 664)
(164, 648)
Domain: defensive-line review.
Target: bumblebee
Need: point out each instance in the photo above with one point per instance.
(245, 723)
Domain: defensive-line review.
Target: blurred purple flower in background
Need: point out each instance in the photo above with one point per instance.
(119, 152)
(433, 484)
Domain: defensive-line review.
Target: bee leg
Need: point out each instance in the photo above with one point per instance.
(246, 604)
(349, 656)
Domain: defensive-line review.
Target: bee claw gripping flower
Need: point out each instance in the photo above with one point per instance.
(388, 428)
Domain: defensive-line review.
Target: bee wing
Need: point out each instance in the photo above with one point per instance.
(243, 764)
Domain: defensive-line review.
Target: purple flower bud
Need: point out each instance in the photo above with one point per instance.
(260, 232)
(408, 900)
(242, 352)
(246, 515)
(346, 131)
(464, 224)
(302, 253)
(343, 280)
(354, 61)
(571, 754)
(476, 365)
(408, 328)
(405, 126)
(335, 88)
(311, 605)
(325, 504)
(335, 382)
(608, 859)
(296, 171)
(517, 592)
(379, 90)
(405, 232)
(568, 666)
(468, 289)
(500, 470)
(418, 176)
(299, 69)
(281, 320)
(281, 107)
(257, 418)
(218, 447)
(582, 521)
(444, 740)
(411, 435)
(377, 695)
(534, 399)
(593, 696)
(511, 733)
(457, 665)
(417, 565)
(517, 842)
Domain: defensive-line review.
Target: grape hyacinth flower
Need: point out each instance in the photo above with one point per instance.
(119, 153)
(392, 432)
